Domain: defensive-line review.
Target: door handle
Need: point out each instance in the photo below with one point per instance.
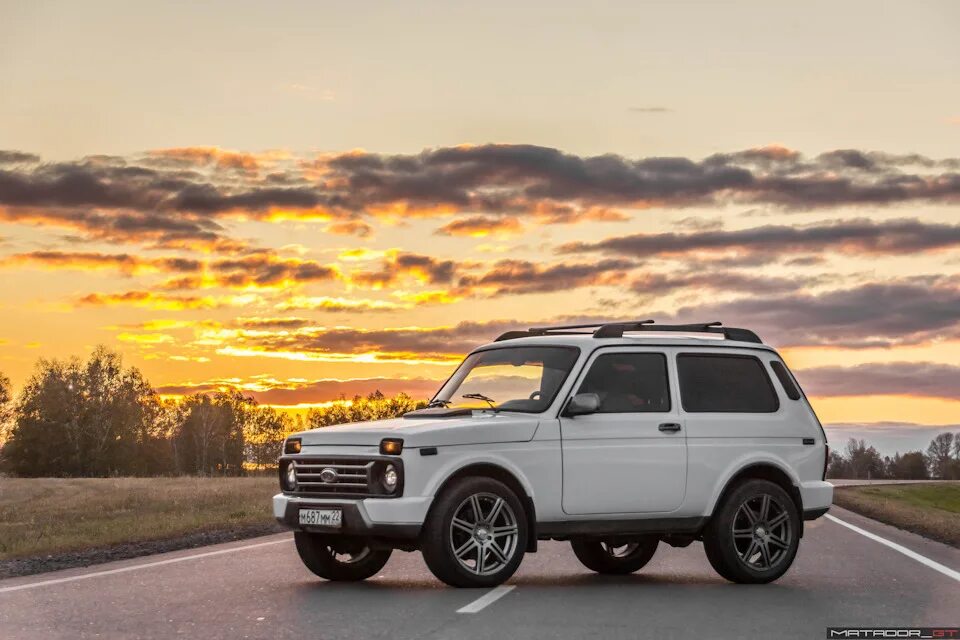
(671, 427)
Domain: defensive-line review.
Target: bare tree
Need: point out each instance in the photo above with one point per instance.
(939, 456)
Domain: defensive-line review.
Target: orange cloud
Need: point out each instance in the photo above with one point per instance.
(148, 299)
(221, 158)
(357, 228)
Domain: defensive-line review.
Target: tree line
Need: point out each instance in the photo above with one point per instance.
(941, 461)
(98, 418)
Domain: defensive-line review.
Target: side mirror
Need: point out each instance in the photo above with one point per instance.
(583, 404)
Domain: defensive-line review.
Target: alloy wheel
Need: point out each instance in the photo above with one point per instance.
(762, 532)
(484, 533)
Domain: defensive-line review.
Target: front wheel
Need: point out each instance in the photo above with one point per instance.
(615, 557)
(339, 559)
(476, 534)
(754, 535)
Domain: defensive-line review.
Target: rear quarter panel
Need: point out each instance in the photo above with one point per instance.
(720, 445)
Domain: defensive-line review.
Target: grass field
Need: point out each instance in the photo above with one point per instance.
(42, 516)
(932, 510)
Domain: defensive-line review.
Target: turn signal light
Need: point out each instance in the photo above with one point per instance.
(391, 446)
(292, 445)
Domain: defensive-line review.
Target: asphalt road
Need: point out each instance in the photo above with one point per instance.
(258, 589)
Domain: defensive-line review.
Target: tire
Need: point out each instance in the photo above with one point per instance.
(475, 537)
(767, 534)
(320, 554)
(615, 558)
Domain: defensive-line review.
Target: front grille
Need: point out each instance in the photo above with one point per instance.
(355, 477)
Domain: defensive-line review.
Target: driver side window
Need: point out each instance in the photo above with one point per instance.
(629, 383)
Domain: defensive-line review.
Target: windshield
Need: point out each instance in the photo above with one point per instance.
(523, 379)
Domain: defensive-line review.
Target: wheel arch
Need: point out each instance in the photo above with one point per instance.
(762, 470)
(507, 477)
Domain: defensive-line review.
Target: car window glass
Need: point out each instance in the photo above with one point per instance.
(629, 382)
(725, 384)
(789, 387)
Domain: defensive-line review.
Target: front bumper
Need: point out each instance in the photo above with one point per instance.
(392, 518)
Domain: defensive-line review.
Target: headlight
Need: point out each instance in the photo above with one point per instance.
(390, 477)
(290, 478)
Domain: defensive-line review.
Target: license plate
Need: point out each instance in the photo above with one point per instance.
(321, 517)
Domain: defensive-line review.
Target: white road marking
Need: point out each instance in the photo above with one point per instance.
(936, 566)
(136, 567)
(487, 599)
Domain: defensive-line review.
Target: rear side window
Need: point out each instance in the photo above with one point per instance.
(629, 382)
(789, 387)
(711, 383)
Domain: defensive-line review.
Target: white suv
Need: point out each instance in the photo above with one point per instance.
(615, 437)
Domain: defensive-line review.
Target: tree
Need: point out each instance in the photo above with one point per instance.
(91, 418)
(264, 434)
(6, 409)
(909, 466)
(939, 456)
(837, 466)
(375, 406)
(208, 435)
(864, 461)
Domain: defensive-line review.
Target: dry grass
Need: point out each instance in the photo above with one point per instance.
(41, 516)
(932, 510)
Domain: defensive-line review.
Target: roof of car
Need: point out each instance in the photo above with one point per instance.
(708, 334)
(587, 340)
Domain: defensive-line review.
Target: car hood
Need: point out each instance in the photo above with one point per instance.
(479, 428)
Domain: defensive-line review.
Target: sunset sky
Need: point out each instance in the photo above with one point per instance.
(309, 199)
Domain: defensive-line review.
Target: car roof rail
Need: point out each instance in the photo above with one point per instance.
(617, 329)
(560, 330)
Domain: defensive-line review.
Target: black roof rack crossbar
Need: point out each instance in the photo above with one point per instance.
(617, 329)
(558, 330)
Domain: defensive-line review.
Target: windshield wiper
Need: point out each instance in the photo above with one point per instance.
(480, 396)
(433, 404)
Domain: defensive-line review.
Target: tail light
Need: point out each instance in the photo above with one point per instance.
(826, 459)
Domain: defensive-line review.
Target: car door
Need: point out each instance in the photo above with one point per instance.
(630, 456)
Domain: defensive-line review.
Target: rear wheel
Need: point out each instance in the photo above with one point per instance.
(754, 536)
(476, 534)
(339, 559)
(615, 557)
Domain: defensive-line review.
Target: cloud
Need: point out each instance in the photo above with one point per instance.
(15, 157)
(480, 226)
(300, 392)
(852, 237)
(523, 276)
(411, 345)
(398, 265)
(655, 285)
(202, 156)
(333, 305)
(650, 109)
(922, 379)
(357, 228)
(875, 314)
(263, 269)
(148, 299)
(267, 270)
(181, 197)
(85, 260)
(518, 178)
